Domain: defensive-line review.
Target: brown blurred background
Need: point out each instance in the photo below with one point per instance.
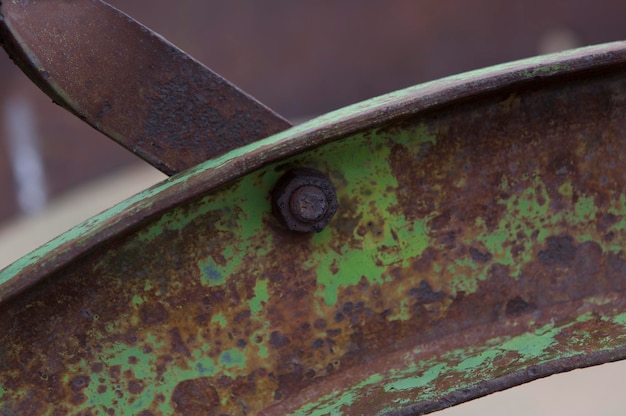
(302, 59)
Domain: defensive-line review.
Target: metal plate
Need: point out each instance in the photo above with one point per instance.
(478, 245)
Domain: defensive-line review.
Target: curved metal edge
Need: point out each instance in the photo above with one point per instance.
(471, 344)
(207, 176)
(518, 378)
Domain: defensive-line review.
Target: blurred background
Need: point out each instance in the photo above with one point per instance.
(302, 59)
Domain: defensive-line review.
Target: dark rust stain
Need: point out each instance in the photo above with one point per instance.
(479, 256)
(424, 293)
(278, 340)
(178, 346)
(517, 306)
(196, 397)
(561, 251)
(135, 386)
(78, 383)
(153, 313)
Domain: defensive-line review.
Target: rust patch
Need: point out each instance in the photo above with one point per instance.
(196, 397)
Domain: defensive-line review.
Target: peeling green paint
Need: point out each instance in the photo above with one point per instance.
(232, 358)
(210, 273)
(332, 404)
(419, 376)
(219, 319)
(261, 295)
(414, 382)
(544, 70)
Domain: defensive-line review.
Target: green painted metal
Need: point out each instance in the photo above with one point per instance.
(329, 127)
(478, 245)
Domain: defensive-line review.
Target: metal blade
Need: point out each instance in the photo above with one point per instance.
(130, 83)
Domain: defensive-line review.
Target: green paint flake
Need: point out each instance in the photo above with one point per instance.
(600, 301)
(545, 70)
(258, 340)
(332, 403)
(241, 211)
(232, 358)
(463, 282)
(402, 313)
(531, 345)
(205, 367)
(211, 275)
(137, 300)
(420, 134)
(504, 186)
(334, 408)
(131, 360)
(140, 365)
(585, 209)
(566, 189)
(411, 383)
(523, 213)
(353, 269)
(261, 295)
(379, 240)
(620, 319)
(220, 320)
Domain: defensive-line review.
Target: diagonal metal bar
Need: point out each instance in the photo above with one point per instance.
(130, 83)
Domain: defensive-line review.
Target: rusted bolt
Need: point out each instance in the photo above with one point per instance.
(304, 200)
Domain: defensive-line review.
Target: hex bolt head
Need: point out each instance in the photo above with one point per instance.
(308, 203)
(304, 200)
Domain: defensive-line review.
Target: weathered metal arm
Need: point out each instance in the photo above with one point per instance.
(478, 245)
(130, 83)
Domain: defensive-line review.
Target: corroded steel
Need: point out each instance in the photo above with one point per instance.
(304, 200)
(131, 84)
(478, 245)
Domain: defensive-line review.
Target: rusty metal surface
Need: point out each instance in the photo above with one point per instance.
(478, 245)
(130, 83)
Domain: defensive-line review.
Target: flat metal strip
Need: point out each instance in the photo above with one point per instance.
(130, 83)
